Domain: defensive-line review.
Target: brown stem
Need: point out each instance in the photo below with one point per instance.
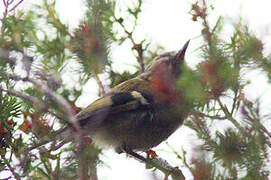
(139, 50)
(229, 116)
(215, 117)
(160, 164)
(180, 157)
(99, 82)
(16, 5)
(31, 99)
(137, 47)
(63, 104)
(234, 121)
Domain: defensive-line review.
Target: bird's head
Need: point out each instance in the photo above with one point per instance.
(163, 73)
(167, 65)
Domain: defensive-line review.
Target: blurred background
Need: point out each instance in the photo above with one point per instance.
(81, 49)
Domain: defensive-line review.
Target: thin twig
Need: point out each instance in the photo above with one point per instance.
(56, 115)
(16, 175)
(234, 121)
(55, 147)
(207, 29)
(16, 5)
(41, 143)
(180, 157)
(36, 102)
(201, 128)
(264, 129)
(99, 82)
(160, 164)
(209, 116)
(137, 47)
(6, 4)
(229, 116)
(63, 104)
(256, 120)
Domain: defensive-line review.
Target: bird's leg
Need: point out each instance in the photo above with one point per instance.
(151, 154)
(156, 163)
(130, 152)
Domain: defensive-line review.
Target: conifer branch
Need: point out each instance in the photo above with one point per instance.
(160, 164)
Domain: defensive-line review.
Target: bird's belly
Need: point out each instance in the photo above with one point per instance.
(138, 132)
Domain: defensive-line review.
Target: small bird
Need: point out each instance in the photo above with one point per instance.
(139, 113)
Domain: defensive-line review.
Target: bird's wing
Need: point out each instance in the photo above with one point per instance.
(126, 97)
(116, 102)
(135, 84)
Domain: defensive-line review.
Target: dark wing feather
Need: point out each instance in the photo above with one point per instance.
(119, 102)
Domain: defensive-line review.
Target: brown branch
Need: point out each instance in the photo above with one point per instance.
(234, 121)
(136, 46)
(207, 28)
(16, 5)
(56, 115)
(65, 108)
(256, 120)
(139, 50)
(229, 116)
(261, 126)
(160, 164)
(63, 104)
(180, 157)
(201, 127)
(202, 13)
(99, 82)
(256, 123)
(6, 4)
(36, 102)
(214, 117)
(55, 147)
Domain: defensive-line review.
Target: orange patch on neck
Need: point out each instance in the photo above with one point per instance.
(162, 86)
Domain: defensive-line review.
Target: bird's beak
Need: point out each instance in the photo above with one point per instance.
(180, 55)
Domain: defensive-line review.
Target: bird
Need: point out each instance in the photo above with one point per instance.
(142, 112)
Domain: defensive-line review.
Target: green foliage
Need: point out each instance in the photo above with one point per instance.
(16, 31)
(243, 148)
(117, 78)
(91, 40)
(10, 109)
(9, 106)
(192, 87)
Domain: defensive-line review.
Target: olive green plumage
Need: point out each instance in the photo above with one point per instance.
(140, 113)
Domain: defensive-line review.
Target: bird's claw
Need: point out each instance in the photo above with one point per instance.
(151, 154)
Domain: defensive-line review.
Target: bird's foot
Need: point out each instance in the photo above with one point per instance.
(151, 154)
